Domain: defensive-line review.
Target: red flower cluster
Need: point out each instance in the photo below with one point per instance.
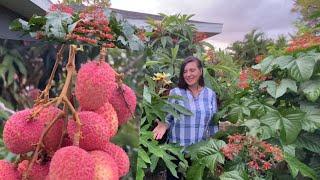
(248, 74)
(93, 28)
(199, 36)
(61, 7)
(243, 79)
(303, 42)
(259, 155)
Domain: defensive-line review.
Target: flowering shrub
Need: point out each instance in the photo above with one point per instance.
(305, 42)
(249, 75)
(259, 156)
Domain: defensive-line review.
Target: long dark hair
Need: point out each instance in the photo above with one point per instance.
(182, 83)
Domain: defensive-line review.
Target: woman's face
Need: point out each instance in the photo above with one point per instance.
(192, 74)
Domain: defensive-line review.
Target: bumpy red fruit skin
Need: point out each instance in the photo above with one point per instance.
(7, 171)
(21, 134)
(95, 130)
(118, 101)
(105, 166)
(38, 171)
(95, 81)
(71, 163)
(120, 156)
(109, 114)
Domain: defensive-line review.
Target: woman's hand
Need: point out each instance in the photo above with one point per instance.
(160, 130)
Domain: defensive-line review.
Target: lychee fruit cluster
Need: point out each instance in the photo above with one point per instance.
(105, 103)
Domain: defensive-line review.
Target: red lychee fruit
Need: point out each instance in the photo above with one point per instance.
(95, 130)
(95, 81)
(8, 171)
(22, 133)
(109, 114)
(105, 166)
(124, 101)
(71, 163)
(120, 156)
(37, 172)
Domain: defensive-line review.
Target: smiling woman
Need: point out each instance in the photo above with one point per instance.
(196, 97)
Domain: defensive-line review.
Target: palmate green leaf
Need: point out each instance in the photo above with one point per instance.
(301, 69)
(311, 89)
(282, 61)
(208, 153)
(57, 23)
(278, 90)
(309, 141)
(171, 166)
(195, 171)
(295, 166)
(256, 129)
(311, 121)
(154, 161)
(144, 156)
(288, 123)
(237, 112)
(181, 109)
(231, 175)
(140, 166)
(266, 65)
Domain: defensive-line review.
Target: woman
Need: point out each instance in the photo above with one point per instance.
(199, 99)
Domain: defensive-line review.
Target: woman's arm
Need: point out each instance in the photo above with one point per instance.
(162, 127)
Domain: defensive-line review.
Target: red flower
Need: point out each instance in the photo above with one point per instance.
(266, 165)
(253, 165)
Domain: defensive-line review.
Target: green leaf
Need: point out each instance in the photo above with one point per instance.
(301, 69)
(55, 24)
(144, 156)
(20, 65)
(309, 141)
(311, 121)
(296, 166)
(266, 65)
(231, 175)
(195, 171)
(182, 109)
(288, 123)
(282, 61)
(154, 162)
(19, 25)
(171, 166)
(311, 89)
(278, 90)
(146, 94)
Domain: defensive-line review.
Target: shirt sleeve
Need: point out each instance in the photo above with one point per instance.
(169, 118)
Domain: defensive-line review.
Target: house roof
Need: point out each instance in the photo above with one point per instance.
(139, 19)
(12, 9)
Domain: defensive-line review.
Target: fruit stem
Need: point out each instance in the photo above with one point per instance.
(40, 144)
(45, 93)
(77, 135)
(103, 54)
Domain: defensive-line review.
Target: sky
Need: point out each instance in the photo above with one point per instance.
(273, 17)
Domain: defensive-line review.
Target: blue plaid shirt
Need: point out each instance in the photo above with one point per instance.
(191, 129)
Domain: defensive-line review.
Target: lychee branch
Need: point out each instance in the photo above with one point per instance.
(45, 93)
(77, 135)
(40, 144)
(70, 70)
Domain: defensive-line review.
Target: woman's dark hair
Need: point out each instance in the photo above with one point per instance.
(182, 83)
